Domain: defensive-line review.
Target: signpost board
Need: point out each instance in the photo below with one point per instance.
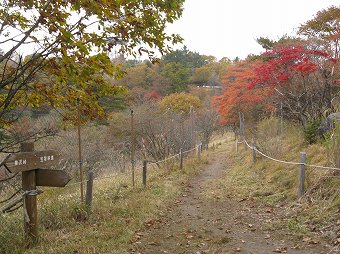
(26, 161)
(51, 178)
(34, 166)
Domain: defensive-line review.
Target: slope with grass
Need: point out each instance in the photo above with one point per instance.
(118, 211)
(223, 204)
(234, 206)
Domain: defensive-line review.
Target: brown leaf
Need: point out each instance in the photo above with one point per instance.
(281, 250)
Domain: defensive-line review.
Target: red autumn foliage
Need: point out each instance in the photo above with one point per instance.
(283, 63)
(286, 73)
(237, 96)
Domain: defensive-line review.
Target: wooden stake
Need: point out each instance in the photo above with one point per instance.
(145, 165)
(89, 189)
(80, 156)
(30, 201)
(302, 174)
(132, 149)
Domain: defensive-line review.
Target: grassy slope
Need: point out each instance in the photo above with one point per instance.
(66, 227)
(274, 184)
(118, 212)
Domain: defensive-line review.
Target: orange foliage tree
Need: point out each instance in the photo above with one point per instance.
(238, 97)
(301, 77)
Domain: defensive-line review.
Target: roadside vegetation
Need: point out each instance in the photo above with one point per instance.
(118, 212)
(129, 111)
(274, 186)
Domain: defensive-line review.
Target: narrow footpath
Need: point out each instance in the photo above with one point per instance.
(197, 223)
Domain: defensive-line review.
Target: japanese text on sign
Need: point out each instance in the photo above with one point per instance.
(20, 162)
(46, 158)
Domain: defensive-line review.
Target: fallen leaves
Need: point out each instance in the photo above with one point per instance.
(281, 250)
(309, 240)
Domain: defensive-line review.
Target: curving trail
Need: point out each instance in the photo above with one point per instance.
(197, 224)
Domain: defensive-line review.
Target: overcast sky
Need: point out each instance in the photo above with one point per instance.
(230, 27)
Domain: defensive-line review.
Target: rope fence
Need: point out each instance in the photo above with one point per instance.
(289, 162)
(302, 164)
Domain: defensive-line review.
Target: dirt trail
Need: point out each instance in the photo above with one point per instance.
(196, 224)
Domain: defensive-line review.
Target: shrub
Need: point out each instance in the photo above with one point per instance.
(310, 131)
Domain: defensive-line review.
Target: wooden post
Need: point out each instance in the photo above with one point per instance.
(254, 150)
(30, 201)
(89, 189)
(302, 174)
(180, 159)
(236, 145)
(132, 149)
(80, 154)
(145, 165)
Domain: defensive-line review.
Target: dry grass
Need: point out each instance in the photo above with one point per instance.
(274, 184)
(119, 210)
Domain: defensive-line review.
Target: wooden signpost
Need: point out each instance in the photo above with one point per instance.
(34, 166)
(51, 178)
(26, 161)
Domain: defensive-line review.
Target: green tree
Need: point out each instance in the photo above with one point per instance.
(175, 77)
(187, 58)
(265, 42)
(324, 25)
(69, 43)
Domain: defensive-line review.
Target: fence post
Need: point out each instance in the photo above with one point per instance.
(89, 189)
(236, 145)
(302, 174)
(180, 159)
(145, 165)
(133, 164)
(254, 150)
(30, 201)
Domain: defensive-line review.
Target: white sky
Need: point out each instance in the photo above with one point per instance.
(230, 27)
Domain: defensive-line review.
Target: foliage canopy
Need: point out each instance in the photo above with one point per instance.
(69, 44)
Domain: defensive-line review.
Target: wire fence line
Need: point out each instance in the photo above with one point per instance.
(288, 162)
(15, 199)
(71, 167)
(161, 161)
(138, 167)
